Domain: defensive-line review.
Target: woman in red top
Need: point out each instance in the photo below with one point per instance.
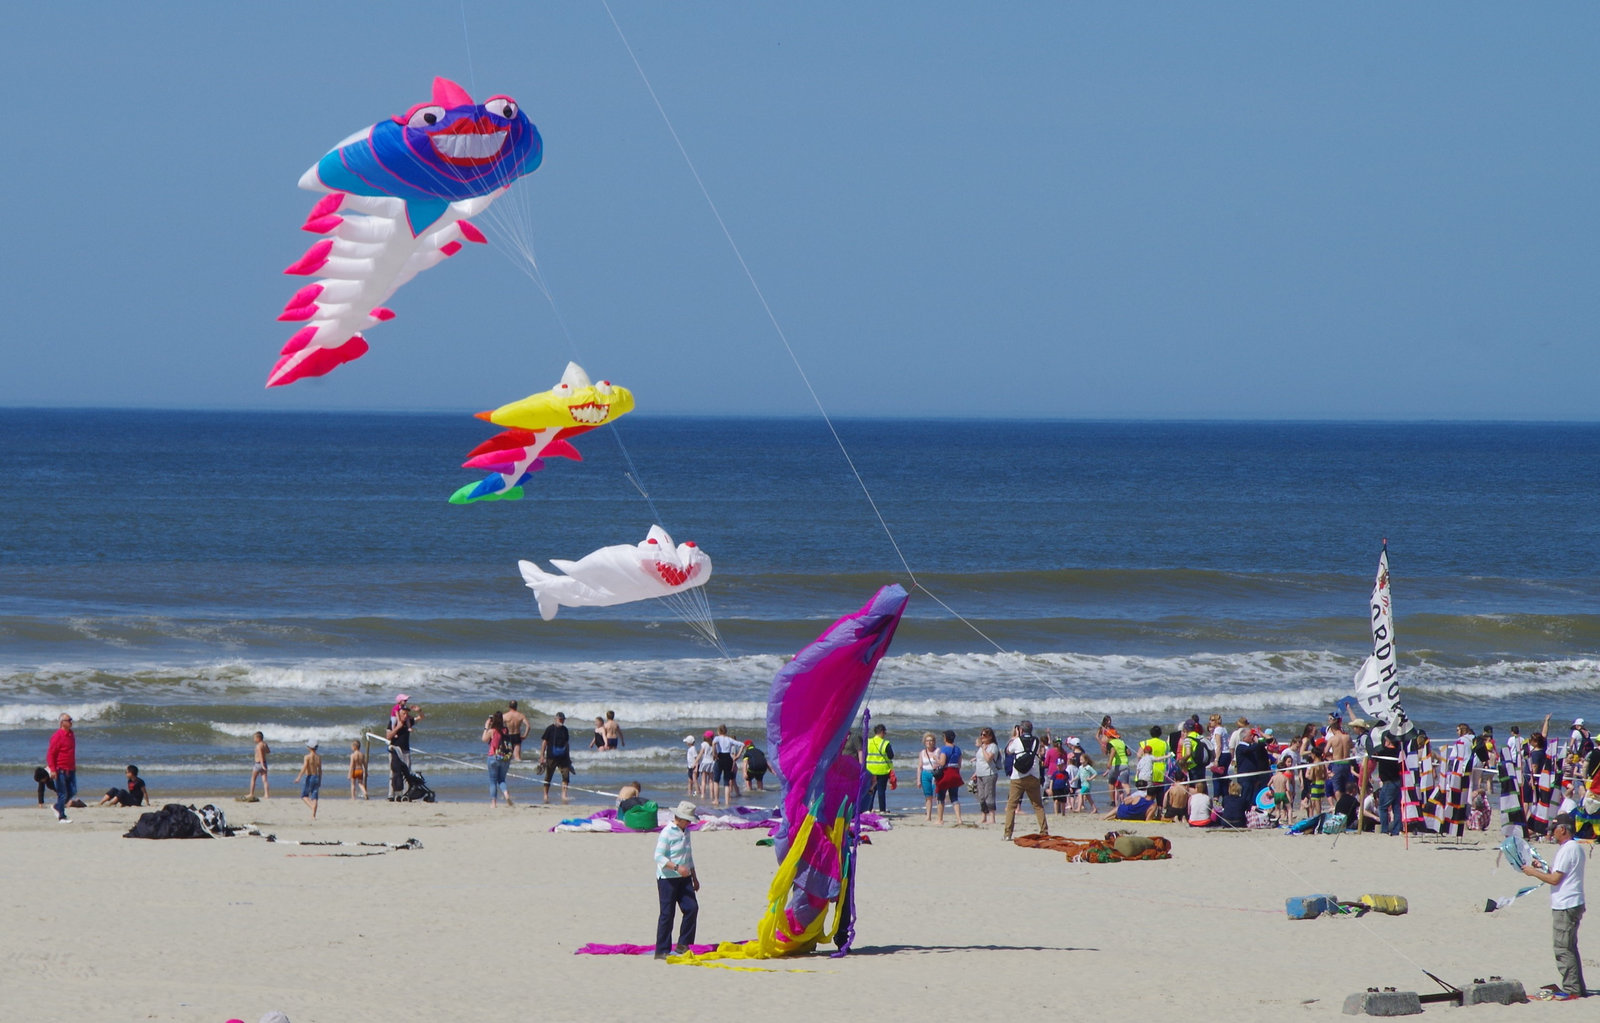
(61, 760)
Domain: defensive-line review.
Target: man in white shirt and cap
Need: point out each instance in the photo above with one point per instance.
(1565, 878)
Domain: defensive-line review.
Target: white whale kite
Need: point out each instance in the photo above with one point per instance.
(618, 575)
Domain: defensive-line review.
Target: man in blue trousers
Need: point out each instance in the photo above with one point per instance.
(676, 881)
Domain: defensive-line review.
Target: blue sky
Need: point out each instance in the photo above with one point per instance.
(1051, 209)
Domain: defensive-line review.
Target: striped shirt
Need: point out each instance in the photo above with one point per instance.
(673, 849)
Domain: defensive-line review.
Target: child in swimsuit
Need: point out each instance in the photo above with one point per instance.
(358, 770)
(1316, 784)
(1280, 788)
(259, 770)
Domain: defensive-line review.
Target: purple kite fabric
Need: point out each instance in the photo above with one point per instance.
(812, 706)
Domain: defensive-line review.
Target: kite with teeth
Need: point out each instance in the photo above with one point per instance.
(540, 426)
(400, 195)
(620, 574)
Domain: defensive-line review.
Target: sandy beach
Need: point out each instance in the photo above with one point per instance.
(483, 920)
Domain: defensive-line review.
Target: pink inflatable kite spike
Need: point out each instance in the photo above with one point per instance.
(326, 205)
(470, 232)
(323, 224)
(304, 297)
(320, 361)
(561, 449)
(303, 304)
(298, 340)
(448, 94)
(313, 260)
(451, 249)
(383, 313)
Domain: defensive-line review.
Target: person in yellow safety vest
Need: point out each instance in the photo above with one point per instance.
(1157, 747)
(1117, 770)
(880, 766)
(1191, 753)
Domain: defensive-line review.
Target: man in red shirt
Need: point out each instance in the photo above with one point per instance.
(61, 760)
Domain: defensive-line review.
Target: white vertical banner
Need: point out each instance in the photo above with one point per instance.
(1376, 686)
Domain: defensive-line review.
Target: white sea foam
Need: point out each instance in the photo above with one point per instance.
(329, 737)
(33, 715)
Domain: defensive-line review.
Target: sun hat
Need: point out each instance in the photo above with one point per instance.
(709, 733)
(311, 744)
(1565, 820)
(1577, 723)
(402, 698)
(1268, 733)
(1074, 741)
(685, 811)
(689, 739)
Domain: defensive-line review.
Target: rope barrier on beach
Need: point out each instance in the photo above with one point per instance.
(535, 779)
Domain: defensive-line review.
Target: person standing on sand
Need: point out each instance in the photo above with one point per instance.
(311, 772)
(402, 719)
(725, 748)
(517, 729)
(555, 754)
(1565, 878)
(880, 761)
(691, 761)
(258, 769)
(61, 760)
(676, 881)
(612, 730)
(497, 733)
(1340, 772)
(985, 759)
(358, 769)
(1024, 779)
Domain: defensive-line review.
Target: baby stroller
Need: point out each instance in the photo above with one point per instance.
(416, 790)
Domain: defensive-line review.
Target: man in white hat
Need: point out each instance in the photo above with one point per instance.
(676, 881)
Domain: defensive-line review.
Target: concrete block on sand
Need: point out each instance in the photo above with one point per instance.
(1495, 990)
(1383, 1003)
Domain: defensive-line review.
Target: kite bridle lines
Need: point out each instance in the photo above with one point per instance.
(513, 237)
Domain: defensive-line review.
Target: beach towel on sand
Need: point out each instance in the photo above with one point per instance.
(1115, 849)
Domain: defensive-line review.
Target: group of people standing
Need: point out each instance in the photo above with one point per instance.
(939, 773)
(505, 732)
(715, 765)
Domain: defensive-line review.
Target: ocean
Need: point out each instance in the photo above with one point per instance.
(180, 580)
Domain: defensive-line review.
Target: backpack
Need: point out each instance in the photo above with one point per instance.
(1024, 761)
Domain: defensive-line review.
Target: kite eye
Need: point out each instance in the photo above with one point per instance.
(603, 388)
(562, 389)
(502, 106)
(425, 117)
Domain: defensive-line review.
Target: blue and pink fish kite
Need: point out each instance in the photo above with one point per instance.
(400, 193)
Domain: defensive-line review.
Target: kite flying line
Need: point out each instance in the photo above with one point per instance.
(783, 338)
